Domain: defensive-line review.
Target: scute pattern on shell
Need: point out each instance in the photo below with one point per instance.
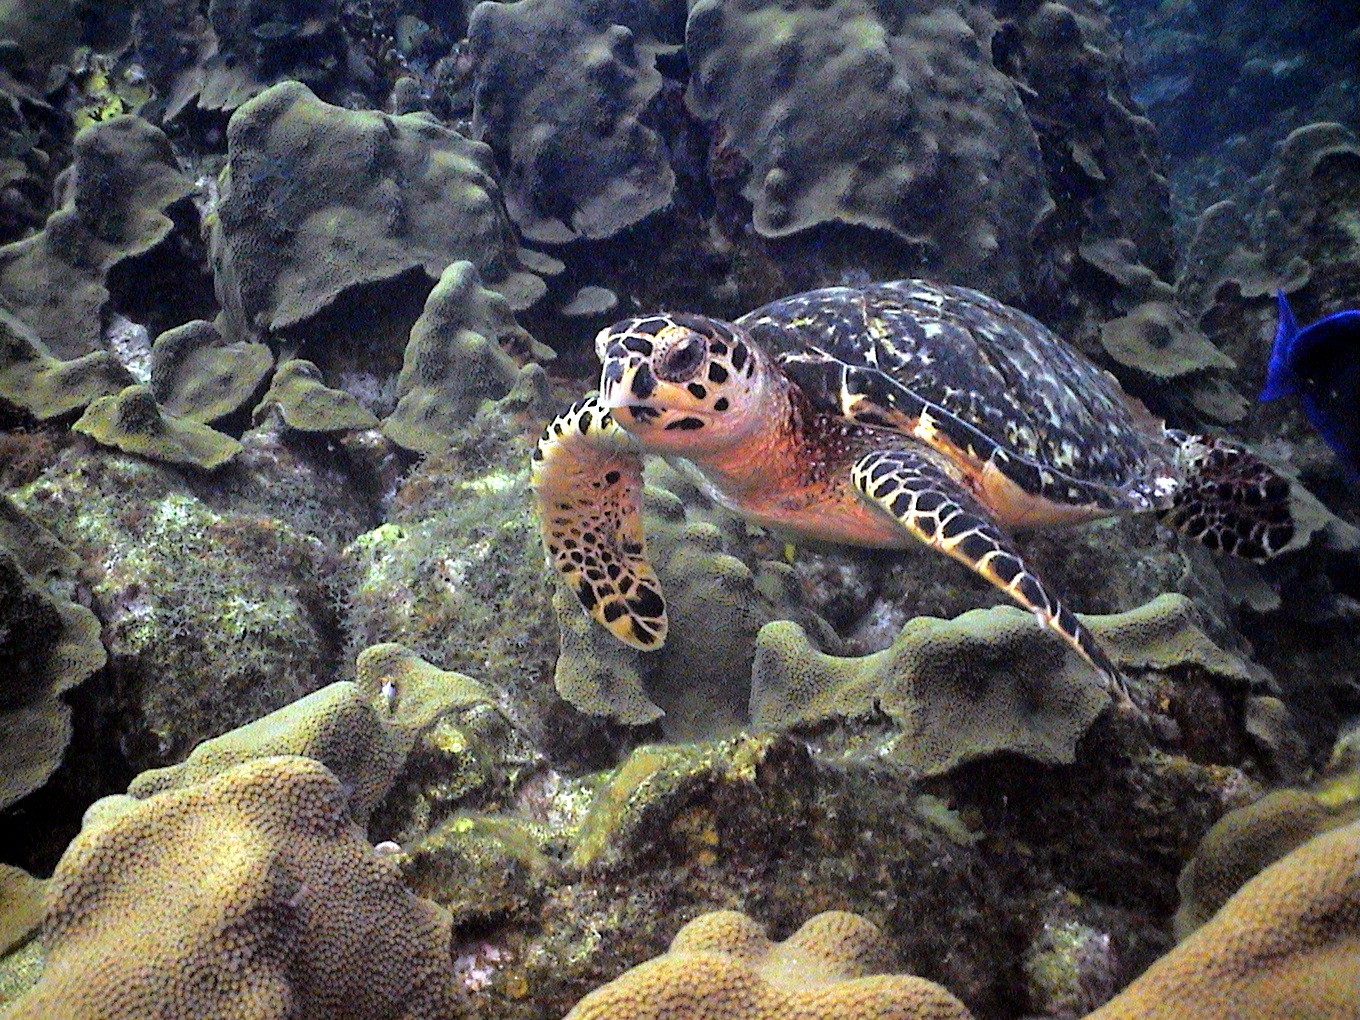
(997, 383)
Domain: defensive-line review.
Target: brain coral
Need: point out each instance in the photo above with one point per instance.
(115, 200)
(247, 897)
(925, 138)
(563, 90)
(989, 680)
(722, 967)
(1286, 947)
(48, 644)
(1245, 841)
(317, 199)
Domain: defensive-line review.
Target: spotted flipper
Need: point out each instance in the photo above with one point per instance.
(1231, 501)
(587, 477)
(923, 497)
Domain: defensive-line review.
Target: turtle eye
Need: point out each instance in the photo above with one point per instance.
(682, 360)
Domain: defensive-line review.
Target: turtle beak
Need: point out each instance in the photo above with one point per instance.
(624, 385)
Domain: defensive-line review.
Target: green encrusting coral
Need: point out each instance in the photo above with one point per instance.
(38, 384)
(458, 357)
(116, 203)
(984, 682)
(197, 375)
(48, 644)
(306, 403)
(317, 199)
(133, 422)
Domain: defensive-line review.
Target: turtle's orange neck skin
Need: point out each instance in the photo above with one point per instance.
(793, 475)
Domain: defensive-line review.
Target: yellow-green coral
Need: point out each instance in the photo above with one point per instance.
(986, 681)
(197, 375)
(247, 897)
(457, 358)
(45, 387)
(722, 967)
(48, 644)
(1286, 947)
(337, 726)
(307, 404)
(132, 421)
(1245, 841)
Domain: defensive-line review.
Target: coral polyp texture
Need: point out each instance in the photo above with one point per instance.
(722, 967)
(198, 375)
(1245, 841)
(37, 384)
(1286, 947)
(459, 355)
(48, 645)
(250, 896)
(133, 422)
(115, 205)
(938, 152)
(304, 402)
(987, 681)
(563, 92)
(317, 199)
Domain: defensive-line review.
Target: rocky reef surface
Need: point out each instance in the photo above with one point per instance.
(295, 722)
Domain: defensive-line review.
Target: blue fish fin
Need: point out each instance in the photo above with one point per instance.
(1280, 378)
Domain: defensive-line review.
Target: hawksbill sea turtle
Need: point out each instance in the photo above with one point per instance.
(879, 415)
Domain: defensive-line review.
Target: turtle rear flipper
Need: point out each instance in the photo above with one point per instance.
(925, 499)
(1230, 501)
(587, 477)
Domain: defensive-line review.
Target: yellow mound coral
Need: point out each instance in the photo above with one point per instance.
(722, 967)
(1245, 841)
(1286, 947)
(247, 897)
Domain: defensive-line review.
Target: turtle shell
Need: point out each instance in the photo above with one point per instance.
(995, 383)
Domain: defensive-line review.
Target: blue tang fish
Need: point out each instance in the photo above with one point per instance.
(1321, 363)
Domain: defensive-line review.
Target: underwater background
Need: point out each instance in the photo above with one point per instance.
(295, 721)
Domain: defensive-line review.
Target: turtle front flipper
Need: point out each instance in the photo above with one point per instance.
(587, 477)
(926, 500)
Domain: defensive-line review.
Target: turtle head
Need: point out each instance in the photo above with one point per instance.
(683, 382)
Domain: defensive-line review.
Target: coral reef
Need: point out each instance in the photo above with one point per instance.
(118, 194)
(213, 618)
(249, 895)
(197, 375)
(459, 355)
(1244, 842)
(48, 645)
(304, 402)
(1286, 946)
(132, 421)
(41, 386)
(563, 94)
(956, 689)
(970, 190)
(724, 965)
(316, 199)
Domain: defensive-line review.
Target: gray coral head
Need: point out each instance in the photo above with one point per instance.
(684, 383)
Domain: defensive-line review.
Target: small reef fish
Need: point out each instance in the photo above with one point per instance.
(1321, 363)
